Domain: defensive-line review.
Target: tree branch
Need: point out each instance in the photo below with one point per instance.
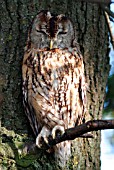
(78, 131)
(110, 29)
(106, 9)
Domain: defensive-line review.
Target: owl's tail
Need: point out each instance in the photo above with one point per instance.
(63, 153)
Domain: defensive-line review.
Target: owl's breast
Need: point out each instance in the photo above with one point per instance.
(56, 60)
(56, 66)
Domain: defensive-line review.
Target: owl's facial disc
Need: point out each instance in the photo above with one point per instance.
(51, 31)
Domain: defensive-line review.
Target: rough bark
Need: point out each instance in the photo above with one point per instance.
(16, 17)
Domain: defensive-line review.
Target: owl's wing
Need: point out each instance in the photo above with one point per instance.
(82, 91)
(27, 91)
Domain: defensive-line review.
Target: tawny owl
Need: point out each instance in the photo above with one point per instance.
(54, 91)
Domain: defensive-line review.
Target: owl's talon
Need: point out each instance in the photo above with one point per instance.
(57, 130)
(42, 137)
(38, 141)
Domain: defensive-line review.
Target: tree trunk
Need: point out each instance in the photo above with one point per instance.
(16, 17)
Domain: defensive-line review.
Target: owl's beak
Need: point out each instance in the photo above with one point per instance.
(51, 44)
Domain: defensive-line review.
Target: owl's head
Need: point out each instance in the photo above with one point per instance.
(51, 31)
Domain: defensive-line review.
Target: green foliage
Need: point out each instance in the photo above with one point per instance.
(109, 101)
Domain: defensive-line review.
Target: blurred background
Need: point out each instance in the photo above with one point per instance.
(107, 136)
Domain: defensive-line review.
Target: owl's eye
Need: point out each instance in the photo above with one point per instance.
(63, 32)
(41, 31)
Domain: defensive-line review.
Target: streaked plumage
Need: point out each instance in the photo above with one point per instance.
(54, 92)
